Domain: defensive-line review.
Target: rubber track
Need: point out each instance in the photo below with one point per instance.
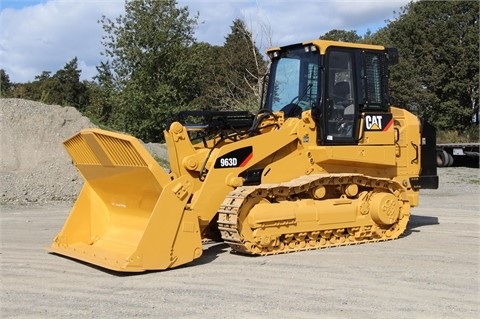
(231, 208)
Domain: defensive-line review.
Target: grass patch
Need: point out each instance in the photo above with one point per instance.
(470, 135)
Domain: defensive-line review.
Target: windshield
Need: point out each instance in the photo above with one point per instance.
(293, 80)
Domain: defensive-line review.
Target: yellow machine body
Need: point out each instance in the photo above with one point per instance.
(276, 187)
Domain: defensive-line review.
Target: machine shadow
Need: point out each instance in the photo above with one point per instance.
(104, 270)
(417, 221)
(210, 253)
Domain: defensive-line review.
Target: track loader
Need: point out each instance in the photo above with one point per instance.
(326, 161)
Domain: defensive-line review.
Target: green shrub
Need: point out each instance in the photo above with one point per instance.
(468, 136)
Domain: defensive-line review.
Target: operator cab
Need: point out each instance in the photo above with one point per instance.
(338, 82)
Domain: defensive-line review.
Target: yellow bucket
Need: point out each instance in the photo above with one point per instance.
(130, 215)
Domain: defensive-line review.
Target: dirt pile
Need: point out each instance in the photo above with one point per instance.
(34, 167)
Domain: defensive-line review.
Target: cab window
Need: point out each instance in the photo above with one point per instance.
(374, 91)
(340, 97)
(293, 83)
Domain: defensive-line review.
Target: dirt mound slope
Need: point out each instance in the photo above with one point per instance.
(34, 167)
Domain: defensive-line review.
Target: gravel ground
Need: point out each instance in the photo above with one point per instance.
(431, 272)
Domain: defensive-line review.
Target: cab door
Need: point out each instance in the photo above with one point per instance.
(356, 95)
(341, 102)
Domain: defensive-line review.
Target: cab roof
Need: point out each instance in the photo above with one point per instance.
(323, 45)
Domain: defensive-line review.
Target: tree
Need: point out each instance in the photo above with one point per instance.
(380, 37)
(38, 90)
(63, 88)
(66, 87)
(100, 95)
(231, 74)
(5, 84)
(146, 50)
(438, 74)
(239, 70)
(203, 58)
(342, 35)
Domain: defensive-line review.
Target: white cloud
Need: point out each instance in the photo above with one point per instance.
(45, 36)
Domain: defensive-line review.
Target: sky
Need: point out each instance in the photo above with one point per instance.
(43, 35)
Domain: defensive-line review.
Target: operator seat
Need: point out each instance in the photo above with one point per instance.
(341, 93)
(344, 105)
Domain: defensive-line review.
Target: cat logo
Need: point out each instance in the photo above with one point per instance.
(373, 122)
(378, 122)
